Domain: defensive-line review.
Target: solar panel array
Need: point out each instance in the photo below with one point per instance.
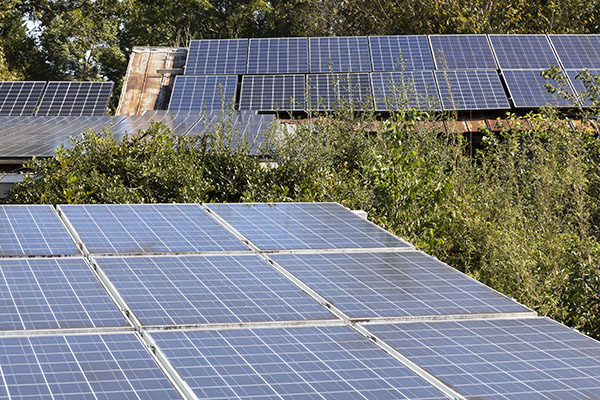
(217, 57)
(75, 98)
(20, 98)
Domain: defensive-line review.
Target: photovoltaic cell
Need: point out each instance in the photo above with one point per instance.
(462, 52)
(471, 90)
(148, 228)
(80, 367)
(578, 83)
(278, 56)
(75, 98)
(221, 56)
(339, 54)
(207, 92)
(207, 290)
(502, 359)
(33, 230)
(52, 293)
(526, 88)
(332, 91)
(523, 51)
(577, 51)
(295, 363)
(273, 92)
(20, 98)
(401, 53)
(279, 226)
(405, 90)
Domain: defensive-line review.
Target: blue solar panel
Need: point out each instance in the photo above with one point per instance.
(579, 85)
(50, 293)
(148, 228)
(295, 363)
(208, 290)
(207, 92)
(33, 230)
(278, 56)
(273, 92)
(80, 367)
(462, 52)
(527, 90)
(278, 226)
(577, 51)
(222, 56)
(340, 54)
(523, 51)
(20, 98)
(471, 90)
(401, 53)
(405, 90)
(333, 91)
(502, 359)
(75, 98)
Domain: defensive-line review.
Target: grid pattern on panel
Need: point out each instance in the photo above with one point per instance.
(501, 359)
(526, 88)
(462, 52)
(577, 51)
(579, 85)
(147, 228)
(523, 51)
(273, 92)
(75, 98)
(331, 91)
(375, 285)
(82, 367)
(52, 293)
(278, 56)
(405, 90)
(328, 362)
(20, 98)
(401, 53)
(340, 54)
(471, 90)
(33, 230)
(206, 290)
(279, 226)
(217, 56)
(207, 92)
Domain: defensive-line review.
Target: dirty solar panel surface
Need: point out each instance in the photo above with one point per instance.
(217, 56)
(20, 98)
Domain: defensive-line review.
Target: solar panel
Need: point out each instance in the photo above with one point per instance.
(148, 228)
(462, 52)
(405, 90)
(295, 363)
(273, 92)
(501, 359)
(523, 51)
(401, 53)
(471, 90)
(78, 367)
(75, 98)
(207, 92)
(577, 51)
(278, 56)
(279, 226)
(526, 88)
(579, 85)
(332, 91)
(207, 290)
(340, 54)
(52, 293)
(222, 56)
(33, 230)
(20, 98)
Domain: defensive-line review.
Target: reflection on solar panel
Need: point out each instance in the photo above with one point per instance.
(207, 92)
(340, 54)
(405, 90)
(147, 228)
(462, 52)
(278, 226)
(78, 367)
(278, 56)
(75, 98)
(328, 362)
(332, 91)
(376, 285)
(207, 290)
(20, 98)
(579, 85)
(523, 51)
(471, 90)
(501, 359)
(273, 92)
(217, 57)
(401, 53)
(50, 293)
(526, 88)
(577, 51)
(33, 230)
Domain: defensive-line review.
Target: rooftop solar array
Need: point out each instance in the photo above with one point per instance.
(462, 52)
(224, 56)
(577, 51)
(273, 92)
(527, 89)
(405, 90)
(20, 98)
(333, 91)
(340, 54)
(278, 56)
(471, 90)
(206, 92)
(401, 53)
(75, 98)
(523, 51)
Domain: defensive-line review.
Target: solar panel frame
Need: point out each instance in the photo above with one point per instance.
(401, 53)
(577, 51)
(75, 98)
(278, 56)
(20, 97)
(273, 93)
(471, 90)
(523, 51)
(196, 93)
(526, 89)
(394, 91)
(332, 91)
(217, 56)
(455, 52)
(342, 54)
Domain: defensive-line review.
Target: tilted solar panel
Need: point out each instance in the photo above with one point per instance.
(405, 90)
(580, 86)
(462, 52)
(523, 51)
(333, 91)
(577, 51)
(527, 89)
(206, 92)
(401, 53)
(273, 92)
(471, 90)
(340, 54)
(20, 98)
(75, 98)
(278, 56)
(217, 56)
